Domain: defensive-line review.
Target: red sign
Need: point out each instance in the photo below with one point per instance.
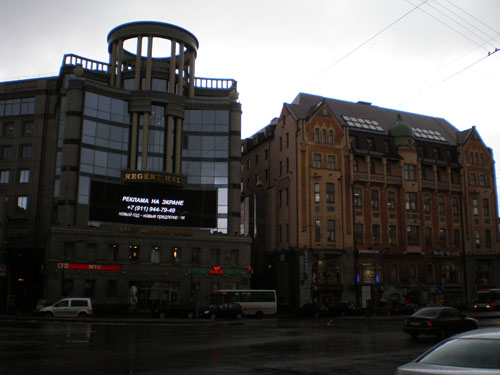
(89, 267)
(216, 270)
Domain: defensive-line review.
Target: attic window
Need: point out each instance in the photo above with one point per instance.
(428, 134)
(361, 123)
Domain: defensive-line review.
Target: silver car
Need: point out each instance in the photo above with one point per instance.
(80, 307)
(474, 352)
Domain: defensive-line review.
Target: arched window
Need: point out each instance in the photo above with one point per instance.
(412, 273)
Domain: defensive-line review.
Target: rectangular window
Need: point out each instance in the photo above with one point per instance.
(316, 193)
(456, 238)
(331, 162)
(358, 198)
(392, 235)
(6, 152)
(428, 236)
(413, 236)
(317, 230)
(26, 152)
(391, 200)
(8, 129)
(487, 238)
(442, 237)
(287, 165)
(215, 256)
(317, 161)
(358, 233)
(454, 206)
(22, 202)
(287, 140)
(155, 255)
(477, 239)
(486, 207)
(472, 180)
(411, 201)
(427, 203)
(441, 204)
(330, 193)
(330, 137)
(482, 180)
(475, 208)
(112, 289)
(28, 128)
(4, 177)
(24, 176)
(409, 171)
(331, 230)
(89, 288)
(323, 136)
(316, 135)
(374, 197)
(281, 143)
(195, 256)
(376, 234)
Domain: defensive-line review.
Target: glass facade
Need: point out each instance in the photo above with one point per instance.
(16, 107)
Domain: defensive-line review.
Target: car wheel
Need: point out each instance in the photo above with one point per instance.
(190, 315)
(49, 314)
(213, 316)
(82, 315)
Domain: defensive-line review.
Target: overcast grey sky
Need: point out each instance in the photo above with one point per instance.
(429, 57)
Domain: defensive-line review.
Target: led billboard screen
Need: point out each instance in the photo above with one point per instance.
(152, 204)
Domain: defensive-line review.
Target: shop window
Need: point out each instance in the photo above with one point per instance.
(89, 288)
(450, 273)
(369, 272)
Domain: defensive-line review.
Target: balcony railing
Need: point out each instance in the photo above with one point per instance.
(87, 64)
(380, 178)
(214, 83)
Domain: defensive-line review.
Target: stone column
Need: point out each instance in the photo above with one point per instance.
(149, 63)
(133, 141)
(112, 65)
(177, 146)
(192, 57)
(180, 77)
(171, 82)
(138, 60)
(119, 56)
(145, 136)
(168, 146)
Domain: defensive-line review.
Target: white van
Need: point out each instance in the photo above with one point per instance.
(80, 307)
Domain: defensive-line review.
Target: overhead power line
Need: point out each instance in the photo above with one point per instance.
(366, 42)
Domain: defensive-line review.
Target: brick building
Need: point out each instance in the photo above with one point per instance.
(349, 201)
(122, 178)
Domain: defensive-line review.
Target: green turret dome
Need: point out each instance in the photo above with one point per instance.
(401, 131)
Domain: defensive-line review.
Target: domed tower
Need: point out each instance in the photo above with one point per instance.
(402, 133)
(154, 57)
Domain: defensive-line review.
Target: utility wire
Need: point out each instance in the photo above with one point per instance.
(473, 17)
(366, 42)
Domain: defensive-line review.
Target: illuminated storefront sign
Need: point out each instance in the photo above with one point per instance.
(89, 267)
(217, 270)
(154, 177)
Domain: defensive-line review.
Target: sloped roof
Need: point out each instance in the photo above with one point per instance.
(386, 118)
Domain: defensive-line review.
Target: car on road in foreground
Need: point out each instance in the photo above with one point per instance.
(80, 307)
(438, 321)
(224, 311)
(475, 352)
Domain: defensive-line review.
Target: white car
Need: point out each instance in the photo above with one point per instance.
(474, 352)
(80, 307)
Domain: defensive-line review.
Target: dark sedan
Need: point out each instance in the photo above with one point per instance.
(224, 311)
(438, 321)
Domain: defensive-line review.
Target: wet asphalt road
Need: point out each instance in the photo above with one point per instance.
(269, 346)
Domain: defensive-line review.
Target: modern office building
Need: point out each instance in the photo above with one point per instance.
(122, 178)
(350, 201)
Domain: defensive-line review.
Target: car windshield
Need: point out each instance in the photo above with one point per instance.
(477, 353)
(428, 313)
